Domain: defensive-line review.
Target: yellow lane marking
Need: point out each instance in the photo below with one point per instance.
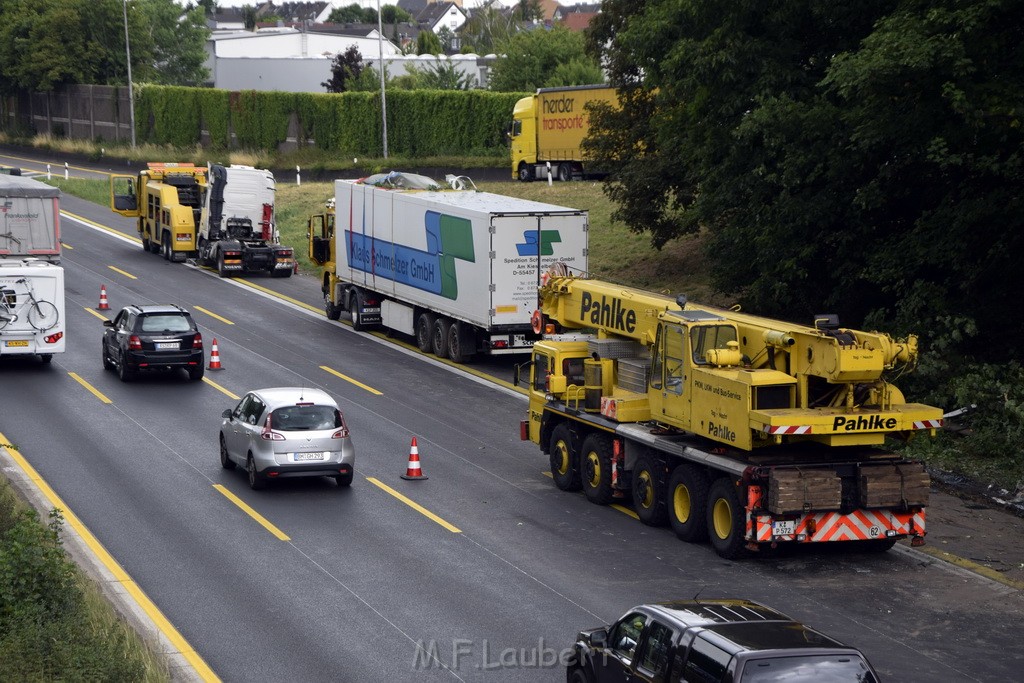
(252, 513)
(93, 390)
(220, 388)
(624, 510)
(279, 295)
(100, 226)
(123, 272)
(349, 379)
(981, 569)
(213, 315)
(96, 313)
(120, 575)
(415, 506)
(67, 246)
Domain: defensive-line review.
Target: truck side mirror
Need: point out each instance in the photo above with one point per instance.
(599, 638)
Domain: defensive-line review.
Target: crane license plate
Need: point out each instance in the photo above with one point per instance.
(784, 528)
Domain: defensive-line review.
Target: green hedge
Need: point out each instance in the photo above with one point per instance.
(420, 122)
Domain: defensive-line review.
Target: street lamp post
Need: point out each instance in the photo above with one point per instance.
(383, 100)
(128, 55)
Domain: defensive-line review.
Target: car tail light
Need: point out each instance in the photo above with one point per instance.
(53, 338)
(134, 343)
(269, 434)
(197, 341)
(341, 432)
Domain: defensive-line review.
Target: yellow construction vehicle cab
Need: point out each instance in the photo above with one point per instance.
(167, 200)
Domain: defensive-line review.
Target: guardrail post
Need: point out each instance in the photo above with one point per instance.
(298, 177)
(65, 170)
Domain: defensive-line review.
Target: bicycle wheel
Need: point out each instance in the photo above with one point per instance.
(43, 315)
(6, 317)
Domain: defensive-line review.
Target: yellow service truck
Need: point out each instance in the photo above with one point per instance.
(548, 128)
(167, 200)
(746, 430)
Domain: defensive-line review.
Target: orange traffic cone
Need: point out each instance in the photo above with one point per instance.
(103, 299)
(414, 472)
(214, 356)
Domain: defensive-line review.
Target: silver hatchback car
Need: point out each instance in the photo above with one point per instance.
(287, 432)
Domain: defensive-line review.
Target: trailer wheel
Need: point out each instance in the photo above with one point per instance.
(726, 519)
(461, 342)
(565, 172)
(596, 468)
(355, 302)
(439, 340)
(565, 468)
(425, 332)
(525, 172)
(686, 500)
(649, 491)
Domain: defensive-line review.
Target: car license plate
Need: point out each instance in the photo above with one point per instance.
(167, 346)
(17, 342)
(315, 455)
(784, 528)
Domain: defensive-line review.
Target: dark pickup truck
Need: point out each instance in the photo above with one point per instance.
(720, 641)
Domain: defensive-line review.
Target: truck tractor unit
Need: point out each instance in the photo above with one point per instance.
(458, 269)
(223, 216)
(237, 232)
(548, 128)
(747, 431)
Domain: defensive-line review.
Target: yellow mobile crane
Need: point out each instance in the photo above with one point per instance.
(747, 430)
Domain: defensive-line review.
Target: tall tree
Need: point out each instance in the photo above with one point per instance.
(487, 28)
(345, 70)
(865, 160)
(530, 58)
(175, 43)
(427, 43)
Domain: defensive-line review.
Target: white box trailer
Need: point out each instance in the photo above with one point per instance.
(458, 269)
(31, 308)
(29, 219)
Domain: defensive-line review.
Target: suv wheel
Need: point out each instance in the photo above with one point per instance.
(225, 461)
(123, 371)
(256, 482)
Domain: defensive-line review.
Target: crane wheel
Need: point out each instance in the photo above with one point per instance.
(726, 519)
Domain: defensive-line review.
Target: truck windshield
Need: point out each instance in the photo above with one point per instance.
(842, 668)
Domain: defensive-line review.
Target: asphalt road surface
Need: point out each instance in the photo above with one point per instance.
(488, 576)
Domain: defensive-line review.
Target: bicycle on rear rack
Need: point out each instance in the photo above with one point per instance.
(42, 315)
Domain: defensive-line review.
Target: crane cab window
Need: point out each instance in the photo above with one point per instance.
(703, 338)
(541, 368)
(667, 362)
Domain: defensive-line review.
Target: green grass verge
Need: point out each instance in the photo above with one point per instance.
(55, 624)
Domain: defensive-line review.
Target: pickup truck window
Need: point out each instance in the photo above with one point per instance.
(654, 653)
(626, 635)
(706, 663)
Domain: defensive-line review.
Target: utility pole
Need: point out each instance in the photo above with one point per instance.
(383, 100)
(128, 55)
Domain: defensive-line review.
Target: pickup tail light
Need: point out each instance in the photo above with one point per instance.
(268, 434)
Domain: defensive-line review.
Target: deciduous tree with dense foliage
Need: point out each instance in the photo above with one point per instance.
(531, 60)
(345, 70)
(865, 160)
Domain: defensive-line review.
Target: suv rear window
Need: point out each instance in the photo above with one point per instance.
(807, 669)
(164, 322)
(305, 418)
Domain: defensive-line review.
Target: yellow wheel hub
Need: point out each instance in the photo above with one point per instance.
(562, 456)
(644, 484)
(721, 517)
(594, 469)
(681, 503)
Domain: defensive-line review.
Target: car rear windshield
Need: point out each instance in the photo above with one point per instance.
(304, 418)
(807, 669)
(160, 322)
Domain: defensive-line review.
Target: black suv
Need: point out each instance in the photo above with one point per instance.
(724, 641)
(152, 338)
